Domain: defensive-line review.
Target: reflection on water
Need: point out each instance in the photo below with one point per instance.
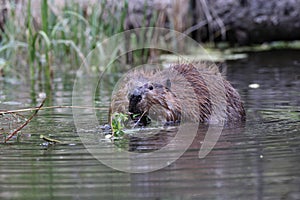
(258, 161)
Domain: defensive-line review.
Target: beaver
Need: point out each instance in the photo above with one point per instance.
(191, 91)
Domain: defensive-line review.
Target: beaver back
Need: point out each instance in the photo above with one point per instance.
(196, 92)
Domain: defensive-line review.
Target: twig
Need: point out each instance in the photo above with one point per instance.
(14, 115)
(191, 29)
(195, 27)
(25, 123)
(50, 140)
(208, 16)
(220, 23)
(138, 121)
(43, 108)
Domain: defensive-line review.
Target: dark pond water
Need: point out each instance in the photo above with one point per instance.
(258, 161)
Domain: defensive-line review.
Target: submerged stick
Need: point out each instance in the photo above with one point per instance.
(50, 140)
(25, 123)
(49, 107)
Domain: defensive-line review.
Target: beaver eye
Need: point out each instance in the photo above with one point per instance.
(150, 87)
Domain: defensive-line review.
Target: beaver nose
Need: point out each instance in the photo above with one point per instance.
(134, 99)
(136, 93)
(136, 96)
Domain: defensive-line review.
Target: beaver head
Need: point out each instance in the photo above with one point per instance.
(143, 98)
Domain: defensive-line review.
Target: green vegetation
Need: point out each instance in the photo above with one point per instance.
(117, 124)
(40, 45)
(36, 46)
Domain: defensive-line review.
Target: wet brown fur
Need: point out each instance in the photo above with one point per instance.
(197, 92)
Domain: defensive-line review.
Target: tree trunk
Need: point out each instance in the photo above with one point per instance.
(247, 21)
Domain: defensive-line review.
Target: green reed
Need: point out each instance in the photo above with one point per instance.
(61, 40)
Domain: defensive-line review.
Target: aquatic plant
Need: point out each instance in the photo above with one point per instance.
(117, 124)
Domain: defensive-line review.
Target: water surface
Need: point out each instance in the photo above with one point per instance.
(258, 161)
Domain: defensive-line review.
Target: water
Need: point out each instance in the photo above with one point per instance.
(258, 161)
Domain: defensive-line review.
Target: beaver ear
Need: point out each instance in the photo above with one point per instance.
(168, 84)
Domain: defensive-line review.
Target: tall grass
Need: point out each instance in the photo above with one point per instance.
(60, 38)
(42, 44)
